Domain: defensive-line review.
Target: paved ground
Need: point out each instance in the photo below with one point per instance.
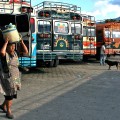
(85, 91)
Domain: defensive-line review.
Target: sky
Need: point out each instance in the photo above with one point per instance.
(100, 9)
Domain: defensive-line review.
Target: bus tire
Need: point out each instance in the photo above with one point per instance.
(50, 63)
(56, 62)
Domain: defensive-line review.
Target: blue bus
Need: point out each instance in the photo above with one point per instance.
(59, 33)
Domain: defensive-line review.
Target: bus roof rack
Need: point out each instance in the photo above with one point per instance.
(58, 6)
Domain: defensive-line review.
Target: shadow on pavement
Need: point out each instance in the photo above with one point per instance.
(33, 70)
(96, 99)
(71, 62)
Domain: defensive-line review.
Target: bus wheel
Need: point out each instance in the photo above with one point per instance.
(56, 62)
(50, 63)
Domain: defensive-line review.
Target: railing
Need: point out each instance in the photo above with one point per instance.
(56, 10)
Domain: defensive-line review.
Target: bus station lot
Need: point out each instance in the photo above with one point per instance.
(41, 86)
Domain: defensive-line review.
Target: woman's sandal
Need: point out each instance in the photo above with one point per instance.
(1, 107)
(10, 116)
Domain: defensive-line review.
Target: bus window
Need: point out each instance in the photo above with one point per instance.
(84, 31)
(14, 0)
(5, 21)
(32, 23)
(61, 27)
(5, 0)
(44, 26)
(91, 32)
(22, 23)
(76, 28)
(115, 34)
(107, 34)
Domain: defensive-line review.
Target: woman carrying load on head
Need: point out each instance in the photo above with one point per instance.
(10, 82)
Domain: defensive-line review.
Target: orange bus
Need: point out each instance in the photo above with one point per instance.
(108, 32)
(89, 36)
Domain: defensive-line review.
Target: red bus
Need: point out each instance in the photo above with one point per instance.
(108, 32)
(89, 36)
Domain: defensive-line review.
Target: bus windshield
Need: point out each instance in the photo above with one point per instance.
(116, 34)
(84, 31)
(61, 27)
(44, 26)
(107, 34)
(91, 32)
(76, 28)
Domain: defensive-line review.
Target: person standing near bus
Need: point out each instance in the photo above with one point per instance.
(12, 83)
(102, 54)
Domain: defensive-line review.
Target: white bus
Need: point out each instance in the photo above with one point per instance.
(21, 14)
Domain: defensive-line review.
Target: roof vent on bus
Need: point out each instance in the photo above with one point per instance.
(91, 24)
(76, 17)
(26, 9)
(44, 14)
(107, 26)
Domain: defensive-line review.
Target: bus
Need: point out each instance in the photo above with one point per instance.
(108, 32)
(59, 32)
(21, 14)
(89, 36)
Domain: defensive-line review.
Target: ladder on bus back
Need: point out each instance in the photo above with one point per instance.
(92, 23)
(75, 10)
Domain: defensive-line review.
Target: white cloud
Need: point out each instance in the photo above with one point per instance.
(104, 9)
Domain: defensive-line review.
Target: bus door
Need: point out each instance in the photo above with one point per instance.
(89, 40)
(62, 39)
(23, 26)
(107, 39)
(61, 36)
(26, 28)
(116, 40)
(112, 38)
(91, 34)
(21, 22)
(76, 41)
(44, 40)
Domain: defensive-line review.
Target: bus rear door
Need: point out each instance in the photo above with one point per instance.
(44, 43)
(22, 23)
(26, 27)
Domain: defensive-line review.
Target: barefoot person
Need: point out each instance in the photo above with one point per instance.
(11, 83)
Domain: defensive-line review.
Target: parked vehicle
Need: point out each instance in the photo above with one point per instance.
(59, 32)
(108, 32)
(21, 14)
(97, 32)
(89, 36)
